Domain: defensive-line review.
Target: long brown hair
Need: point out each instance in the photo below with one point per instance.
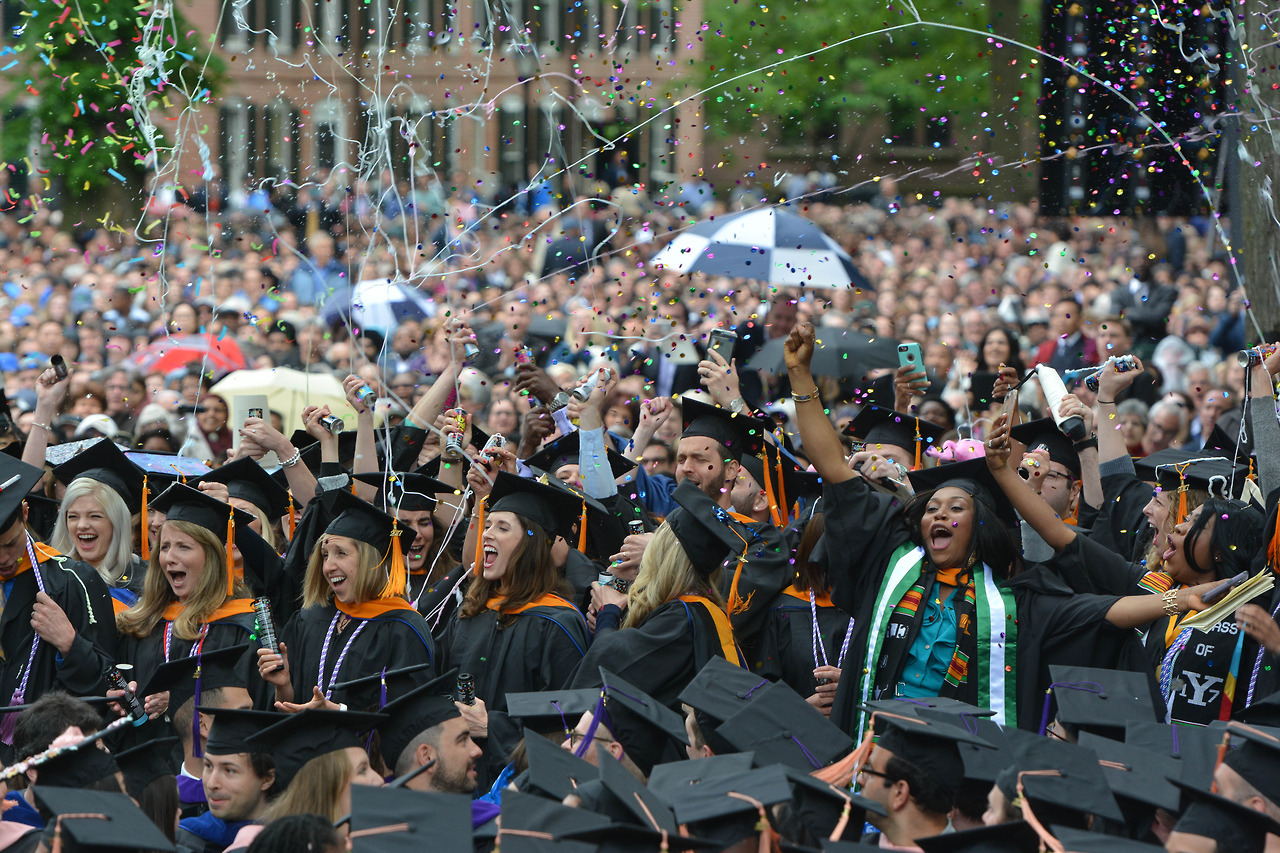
(370, 578)
(316, 789)
(810, 575)
(531, 574)
(141, 619)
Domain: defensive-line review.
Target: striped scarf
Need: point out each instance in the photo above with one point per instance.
(904, 617)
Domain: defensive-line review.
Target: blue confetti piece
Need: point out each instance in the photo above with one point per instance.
(113, 173)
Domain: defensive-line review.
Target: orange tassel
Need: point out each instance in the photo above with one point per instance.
(1182, 505)
(782, 491)
(1273, 547)
(146, 536)
(919, 440)
(479, 563)
(398, 576)
(293, 515)
(736, 603)
(231, 560)
(767, 485)
(582, 529)
(1222, 753)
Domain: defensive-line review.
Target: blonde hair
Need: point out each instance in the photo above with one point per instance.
(666, 573)
(268, 531)
(120, 554)
(1153, 560)
(370, 578)
(316, 789)
(141, 619)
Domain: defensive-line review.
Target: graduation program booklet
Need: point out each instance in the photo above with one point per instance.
(1225, 606)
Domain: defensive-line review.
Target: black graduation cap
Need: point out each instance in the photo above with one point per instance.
(164, 469)
(552, 710)
(530, 813)
(674, 779)
(942, 706)
(1235, 826)
(1225, 445)
(720, 690)
(211, 670)
(247, 481)
(1193, 747)
(1213, 475)
(408, 492)
(930, 746)
(414, 712)
(1074, 780)
(1100, 700)
(310, 447)
(1083, 841)
(232, 727)
(554, 771)
(146, 762)
(1263, 712)
(16, 479)
(710, 812)
(56, 454)
(647, 808)
(183, 503)
(360, 520)
(779, 726)
(604, 532)
(786, 478)
(564, 451)
(879, 425)
(1135, 773)
(1016, 836)
(820, 806)
(107, 464)
(697, 522)
(400, 820)
(42, 515)
(553, 509)
(741, 435)
(642, 724)
(1043, 434)
(77, 768)
(117, 824)
(974, 477)
(300, 737)
(1145, 466)
(1256, 758)
(392, 683)
(634, 838)
(982, 764)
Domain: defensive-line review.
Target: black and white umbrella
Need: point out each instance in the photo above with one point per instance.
(770, 244)
(380, 304)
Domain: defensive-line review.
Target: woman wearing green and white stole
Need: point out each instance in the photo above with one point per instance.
(940, 604)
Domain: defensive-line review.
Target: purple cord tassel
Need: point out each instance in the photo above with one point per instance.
(9, 721)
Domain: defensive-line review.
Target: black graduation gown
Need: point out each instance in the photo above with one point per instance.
(444, 595)
(865, 527)
(79, 590)
(148, 653)
(1119, 525)
(784, 651)
(393, 640)
(660, 656)
(265, 575)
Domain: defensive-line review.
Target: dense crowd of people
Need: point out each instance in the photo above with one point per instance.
(558, 567)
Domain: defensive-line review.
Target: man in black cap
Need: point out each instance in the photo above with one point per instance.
(425, 726)
(57, 619)
(239, 781)
(1250, 773)
(914, 771)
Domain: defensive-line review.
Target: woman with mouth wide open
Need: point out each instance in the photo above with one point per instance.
(190, 601)
(939, 606)
(516, 630)
(95, 526)
(355, 619)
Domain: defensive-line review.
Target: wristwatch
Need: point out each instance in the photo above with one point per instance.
(737, 405)
(559, 401)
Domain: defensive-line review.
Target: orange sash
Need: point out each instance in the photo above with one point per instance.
(821, 599)
(549, 599)
(234, 607)
(723, 629)
(373, 609)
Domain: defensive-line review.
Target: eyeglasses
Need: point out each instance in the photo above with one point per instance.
(576, 738)
(867, 770)
(1052, 475)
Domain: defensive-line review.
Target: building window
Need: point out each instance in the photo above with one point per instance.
(512, 138)
(235, 142)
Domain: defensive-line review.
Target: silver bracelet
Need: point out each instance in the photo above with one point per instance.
(44, 427)
(292, 460)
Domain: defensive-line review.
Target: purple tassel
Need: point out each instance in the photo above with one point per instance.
(9, 721)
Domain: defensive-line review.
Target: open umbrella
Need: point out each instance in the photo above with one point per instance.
(840, 353)
(288, 392)
(380, 304)
(770, 244)
(171, 353)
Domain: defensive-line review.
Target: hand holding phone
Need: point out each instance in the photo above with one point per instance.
(909, 355)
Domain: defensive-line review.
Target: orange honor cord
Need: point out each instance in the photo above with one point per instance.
(146, 539)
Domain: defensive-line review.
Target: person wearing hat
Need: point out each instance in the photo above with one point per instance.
(104, 493)
(516, 630)
(1250, 773)
(893, 443)
(191, 601)
(355, 618)
(675, 618)
(239, 780)
(1053, 465)
(937, 609)
(412, 497)
(56, 627)
(1216, 541)
(628, 725)
(424, 726)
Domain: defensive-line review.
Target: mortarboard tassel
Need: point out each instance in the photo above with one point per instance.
(398, 576)
(769, 495)
(768, 838)
(478, 566)
(231, 550)
(782, 490)
(146, 537)
(1047, 839)
(293, 515)
(919, 440)
(1222, 753)
(582, 529)
(1181, 514)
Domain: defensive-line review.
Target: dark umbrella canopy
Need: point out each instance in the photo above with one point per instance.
(840, 353)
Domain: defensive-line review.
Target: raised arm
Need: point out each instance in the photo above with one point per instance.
(1110, 437)
(366, 458)
(1029, 505)
(1262, 420)
(1090, 478)
(821, 442)
(50, 392)
(432, 403)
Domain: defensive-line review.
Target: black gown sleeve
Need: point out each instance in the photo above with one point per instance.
(863, 529)
(1119, 521)
(1089, 568)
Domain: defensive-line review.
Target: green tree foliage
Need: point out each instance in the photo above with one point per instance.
(78, 62)
(912, 70)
